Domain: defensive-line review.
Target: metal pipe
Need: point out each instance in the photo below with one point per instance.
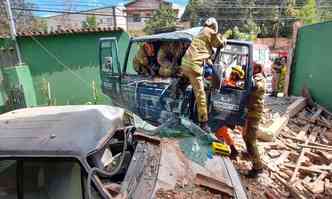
(13, 30)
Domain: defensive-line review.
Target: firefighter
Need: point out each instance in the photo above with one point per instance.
(276, 71)
(223, 133)
(199, 53)
(255, 113)
(145, 60)
(169, 58)
(235, 78)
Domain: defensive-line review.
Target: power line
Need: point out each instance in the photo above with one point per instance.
(57, 59)
(76, 12)
(111, 15)
(65, 12)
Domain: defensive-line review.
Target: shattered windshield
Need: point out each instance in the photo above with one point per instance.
(193, 141)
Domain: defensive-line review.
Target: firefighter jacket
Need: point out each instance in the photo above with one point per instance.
(169, 58)
(256, 98)
(201, 49)
(143, 63)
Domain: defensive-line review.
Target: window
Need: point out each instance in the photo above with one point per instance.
(136, 18)
(58, 27)
(8, 183)
(44, 179)
(109, 21)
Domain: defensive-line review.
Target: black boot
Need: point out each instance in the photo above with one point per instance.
(253, 173)
(274, 94)
(234, 152)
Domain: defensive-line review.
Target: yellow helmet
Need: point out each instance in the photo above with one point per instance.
(238, 70)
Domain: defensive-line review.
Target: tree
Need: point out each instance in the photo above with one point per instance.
(39, 24)
(24, 19)
(235, 33)
(90, 22)
(165, 17)
(191, 12)
(309, 13)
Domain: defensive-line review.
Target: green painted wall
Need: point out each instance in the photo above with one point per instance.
(6, 42)
(312, 66)
(20, 77)
(2, 93)
(68, 65)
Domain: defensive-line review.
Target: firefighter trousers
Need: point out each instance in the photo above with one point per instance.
(196, 81)
(249, 137)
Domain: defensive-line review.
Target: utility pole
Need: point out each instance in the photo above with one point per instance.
(114, 17)
(13, 30)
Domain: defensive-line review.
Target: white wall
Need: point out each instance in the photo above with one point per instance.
(75, 20)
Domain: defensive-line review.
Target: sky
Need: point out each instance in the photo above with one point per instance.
(84, 4)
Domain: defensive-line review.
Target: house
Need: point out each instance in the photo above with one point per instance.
(60, 67)
(139, 11)
(106, 17)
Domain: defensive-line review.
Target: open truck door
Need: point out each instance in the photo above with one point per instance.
(110, 69)
(229, 102)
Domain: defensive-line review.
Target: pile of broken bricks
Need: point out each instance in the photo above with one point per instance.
(296, 150)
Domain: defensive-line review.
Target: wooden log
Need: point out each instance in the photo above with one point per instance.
(316, 187)
(270, 194)
(318, 122)
(214, 184)
(290, 188)
(296, 107)
(147, 138)
(301, 140)
(325, 155)
(304, 168)
(306, 146)
(312, 137)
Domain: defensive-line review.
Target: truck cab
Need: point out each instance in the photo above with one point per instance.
(148, 96)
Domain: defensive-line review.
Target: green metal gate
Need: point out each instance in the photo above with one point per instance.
(312, 65)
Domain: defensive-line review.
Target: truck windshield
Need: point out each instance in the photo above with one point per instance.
(40, 179)
(232, 63)
(132, 53)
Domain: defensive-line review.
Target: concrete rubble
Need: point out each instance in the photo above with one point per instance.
(297, 155)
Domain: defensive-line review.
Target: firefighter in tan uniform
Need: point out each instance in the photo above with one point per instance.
(255, 113)
(145, 59)
(198, 53)
(276, 69)
(169, 58)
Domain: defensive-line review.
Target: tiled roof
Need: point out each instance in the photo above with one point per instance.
(68, 31)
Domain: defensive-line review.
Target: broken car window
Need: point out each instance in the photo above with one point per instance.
(8, 184)
(40, 179)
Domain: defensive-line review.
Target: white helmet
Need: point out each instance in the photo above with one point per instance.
(212, 22)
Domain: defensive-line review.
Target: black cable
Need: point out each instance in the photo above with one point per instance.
(115, 171)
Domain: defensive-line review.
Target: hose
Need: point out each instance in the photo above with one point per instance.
(105, 173)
